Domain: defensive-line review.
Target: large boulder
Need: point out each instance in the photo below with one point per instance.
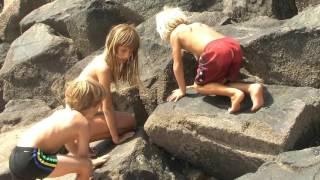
(293, 165)
(87, 22)
(243, 10)
(240, 10)
(22, 112)
(12, 13)
(148, 8)
(200, 130)
(137, 159)
(33, 63)
(283, 52)
(302, 4)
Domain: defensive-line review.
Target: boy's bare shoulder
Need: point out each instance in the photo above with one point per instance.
(70, 117)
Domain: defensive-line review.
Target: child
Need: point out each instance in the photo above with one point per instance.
(219, 59)
(119, 62)
(35, 154)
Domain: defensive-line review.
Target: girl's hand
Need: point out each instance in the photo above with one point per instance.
(126, 136)
(100, 160)
(176, 95)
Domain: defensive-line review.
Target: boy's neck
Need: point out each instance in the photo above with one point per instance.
(84, 113)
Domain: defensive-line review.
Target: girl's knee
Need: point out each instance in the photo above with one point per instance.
(86, 165)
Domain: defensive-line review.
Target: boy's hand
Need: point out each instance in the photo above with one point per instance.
(176, 95)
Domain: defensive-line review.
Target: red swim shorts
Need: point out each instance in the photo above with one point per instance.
(220, 61)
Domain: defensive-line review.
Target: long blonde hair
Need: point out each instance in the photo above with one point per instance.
(81, 94)
(123, 35)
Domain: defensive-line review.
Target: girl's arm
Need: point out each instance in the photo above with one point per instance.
(104, 77)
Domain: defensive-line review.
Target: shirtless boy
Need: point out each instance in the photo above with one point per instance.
(35, 155)
(219, 58)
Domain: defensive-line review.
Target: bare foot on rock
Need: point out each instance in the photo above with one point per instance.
(236, 99)
(256, 94)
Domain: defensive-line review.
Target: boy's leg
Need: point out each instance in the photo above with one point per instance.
(255, 90)
(70, 164)
(235, 95)
(124, 121)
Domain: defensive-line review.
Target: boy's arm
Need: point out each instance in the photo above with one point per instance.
(72, 147)
(177, 68)
(83, 136)
(105, 79)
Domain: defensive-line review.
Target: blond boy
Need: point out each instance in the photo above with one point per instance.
(35, 155)
(219, 58)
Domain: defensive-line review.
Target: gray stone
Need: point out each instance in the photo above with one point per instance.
(12, 13)
(148, 8)
(22, 112)
(293, 165)
(136, 159)
(4, 47)
(302, 4)
(200, 130)
(243, 10)
(87, 22)
(284, 53)
(33, 63)
(8, 141)
(240, 10)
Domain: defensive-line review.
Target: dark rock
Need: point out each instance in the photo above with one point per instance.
(87, 22)
(137, 159)
(302, 4)
(4, 47)
(283, 52)
(33, 63)
(200, 130)
(22, 112)
(293, 165)
(243, 10)
(11, 15)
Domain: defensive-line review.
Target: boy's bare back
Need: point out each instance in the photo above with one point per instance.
(194, 37)
(52, 133)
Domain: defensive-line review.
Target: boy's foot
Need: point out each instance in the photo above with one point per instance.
(236, 99)
(256, 94)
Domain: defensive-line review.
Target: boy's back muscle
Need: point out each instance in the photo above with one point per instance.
(53, 132)
(194, 37)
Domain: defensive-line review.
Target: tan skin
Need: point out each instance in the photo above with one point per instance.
(70, 128)
(194, 38)
(110, 123)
